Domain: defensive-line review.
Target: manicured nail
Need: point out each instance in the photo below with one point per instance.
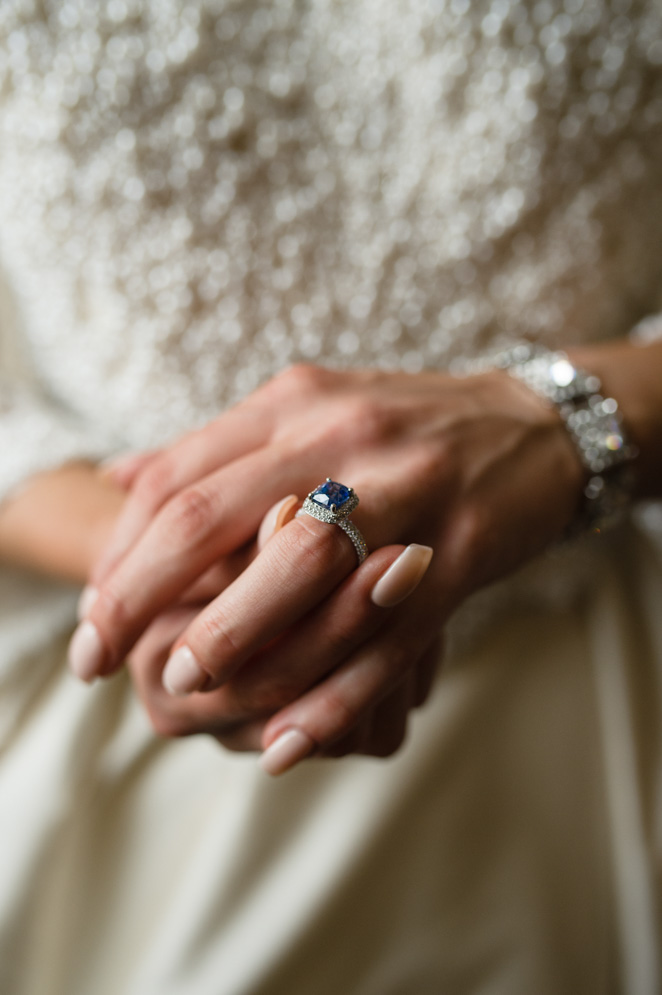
(87, 598)
(403, 576)
(286, 751)
(280, 514)
(182, 673)
(86, 652)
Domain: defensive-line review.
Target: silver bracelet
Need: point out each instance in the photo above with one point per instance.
(593, 421)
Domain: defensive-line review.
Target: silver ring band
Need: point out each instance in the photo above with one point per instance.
(332, 502)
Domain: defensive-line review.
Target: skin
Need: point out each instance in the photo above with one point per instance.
(480, 469)
(60, 521)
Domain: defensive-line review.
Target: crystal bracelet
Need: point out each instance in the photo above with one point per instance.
(593, 421)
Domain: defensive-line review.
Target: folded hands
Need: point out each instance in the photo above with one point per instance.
(286, 645)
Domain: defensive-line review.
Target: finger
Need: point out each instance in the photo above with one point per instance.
(244, 738)
(380, 733)
(333, 707)
(240, 431)
(278, 515)
(388, 727)
(326, 636)
(122, 470)
(172, 717)
(203, 589)
(296, 570)
(237, 717)
(196, 528)
(426, 672)
(352, 743)
(382, 730)
(219, 576)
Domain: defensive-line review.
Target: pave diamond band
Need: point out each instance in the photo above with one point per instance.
(332, 502)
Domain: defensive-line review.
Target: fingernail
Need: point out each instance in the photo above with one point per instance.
(87, 598)
(277, 516)
(86, 652)
(403, 576)
(286, 751)
(182, 673)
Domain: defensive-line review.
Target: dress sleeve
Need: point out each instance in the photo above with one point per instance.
(36, 435)
(37, 432)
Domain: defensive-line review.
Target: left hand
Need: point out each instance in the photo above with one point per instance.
(479, 468)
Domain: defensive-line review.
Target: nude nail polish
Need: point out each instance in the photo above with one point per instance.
(291, 746)
(277, 516)
(86, 652)
(87, 598)
(402, 577)
(183, 674)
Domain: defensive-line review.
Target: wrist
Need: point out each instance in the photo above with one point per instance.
(548, 428)
(592, 421)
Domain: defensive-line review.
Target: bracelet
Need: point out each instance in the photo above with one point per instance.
(593, 422)
(649, 329)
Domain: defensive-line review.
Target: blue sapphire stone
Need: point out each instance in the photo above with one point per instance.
(331, 492)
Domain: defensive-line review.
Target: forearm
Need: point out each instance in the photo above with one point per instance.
(632, 374)
(58, 523)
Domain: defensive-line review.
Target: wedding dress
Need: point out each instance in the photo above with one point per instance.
(192, 196)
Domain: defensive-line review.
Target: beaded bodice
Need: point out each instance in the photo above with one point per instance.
(193, 195)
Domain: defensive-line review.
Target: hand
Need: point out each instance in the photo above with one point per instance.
(480, 469)
(229, 714)
(223, 715)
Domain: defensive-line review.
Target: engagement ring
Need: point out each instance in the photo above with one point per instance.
(332, 502)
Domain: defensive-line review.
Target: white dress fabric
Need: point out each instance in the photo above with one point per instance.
(193, 195)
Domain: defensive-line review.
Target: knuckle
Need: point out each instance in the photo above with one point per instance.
(339, 714)
(154, 483)
(221, 642)
(346, 627)
(111, 609)
(302, 378)
(474, 528)
(190, 516)
(473, 540)
(366, 420)
(427, 463)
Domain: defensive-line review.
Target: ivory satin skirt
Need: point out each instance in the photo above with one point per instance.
(510, 848)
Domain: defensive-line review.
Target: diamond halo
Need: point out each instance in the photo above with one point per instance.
(332, 502)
